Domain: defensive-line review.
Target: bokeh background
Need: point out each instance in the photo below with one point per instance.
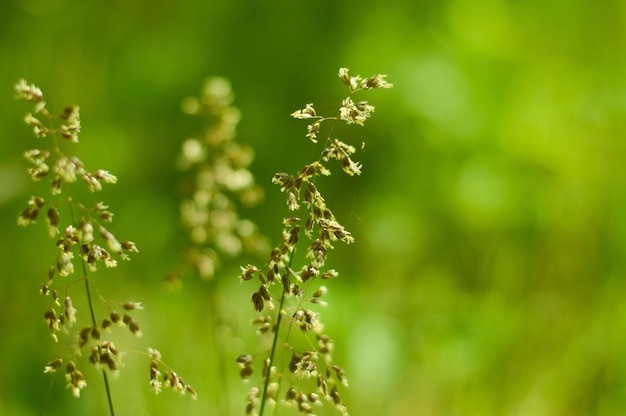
(489, 273)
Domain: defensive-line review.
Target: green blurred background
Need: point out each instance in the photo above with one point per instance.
(489, 272)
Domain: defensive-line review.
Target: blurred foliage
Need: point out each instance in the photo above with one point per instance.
(489, 272)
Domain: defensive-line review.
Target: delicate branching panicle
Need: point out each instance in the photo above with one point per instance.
(313, 225)
(219, 181)
(83, 239)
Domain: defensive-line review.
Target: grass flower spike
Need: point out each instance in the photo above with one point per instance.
(286, 297)
(218, 181)
(82, 234)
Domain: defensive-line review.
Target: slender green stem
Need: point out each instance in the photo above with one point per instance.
(93, 321)
(93, 318)
(45, 404)
(273, 351)
(108, 389)
(88, 290)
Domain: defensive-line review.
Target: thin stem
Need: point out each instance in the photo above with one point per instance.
(108, 389)
(273, 351)
(45, 404)
(93, 317)
(88, 290)
(275, 340)
(93, 321)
